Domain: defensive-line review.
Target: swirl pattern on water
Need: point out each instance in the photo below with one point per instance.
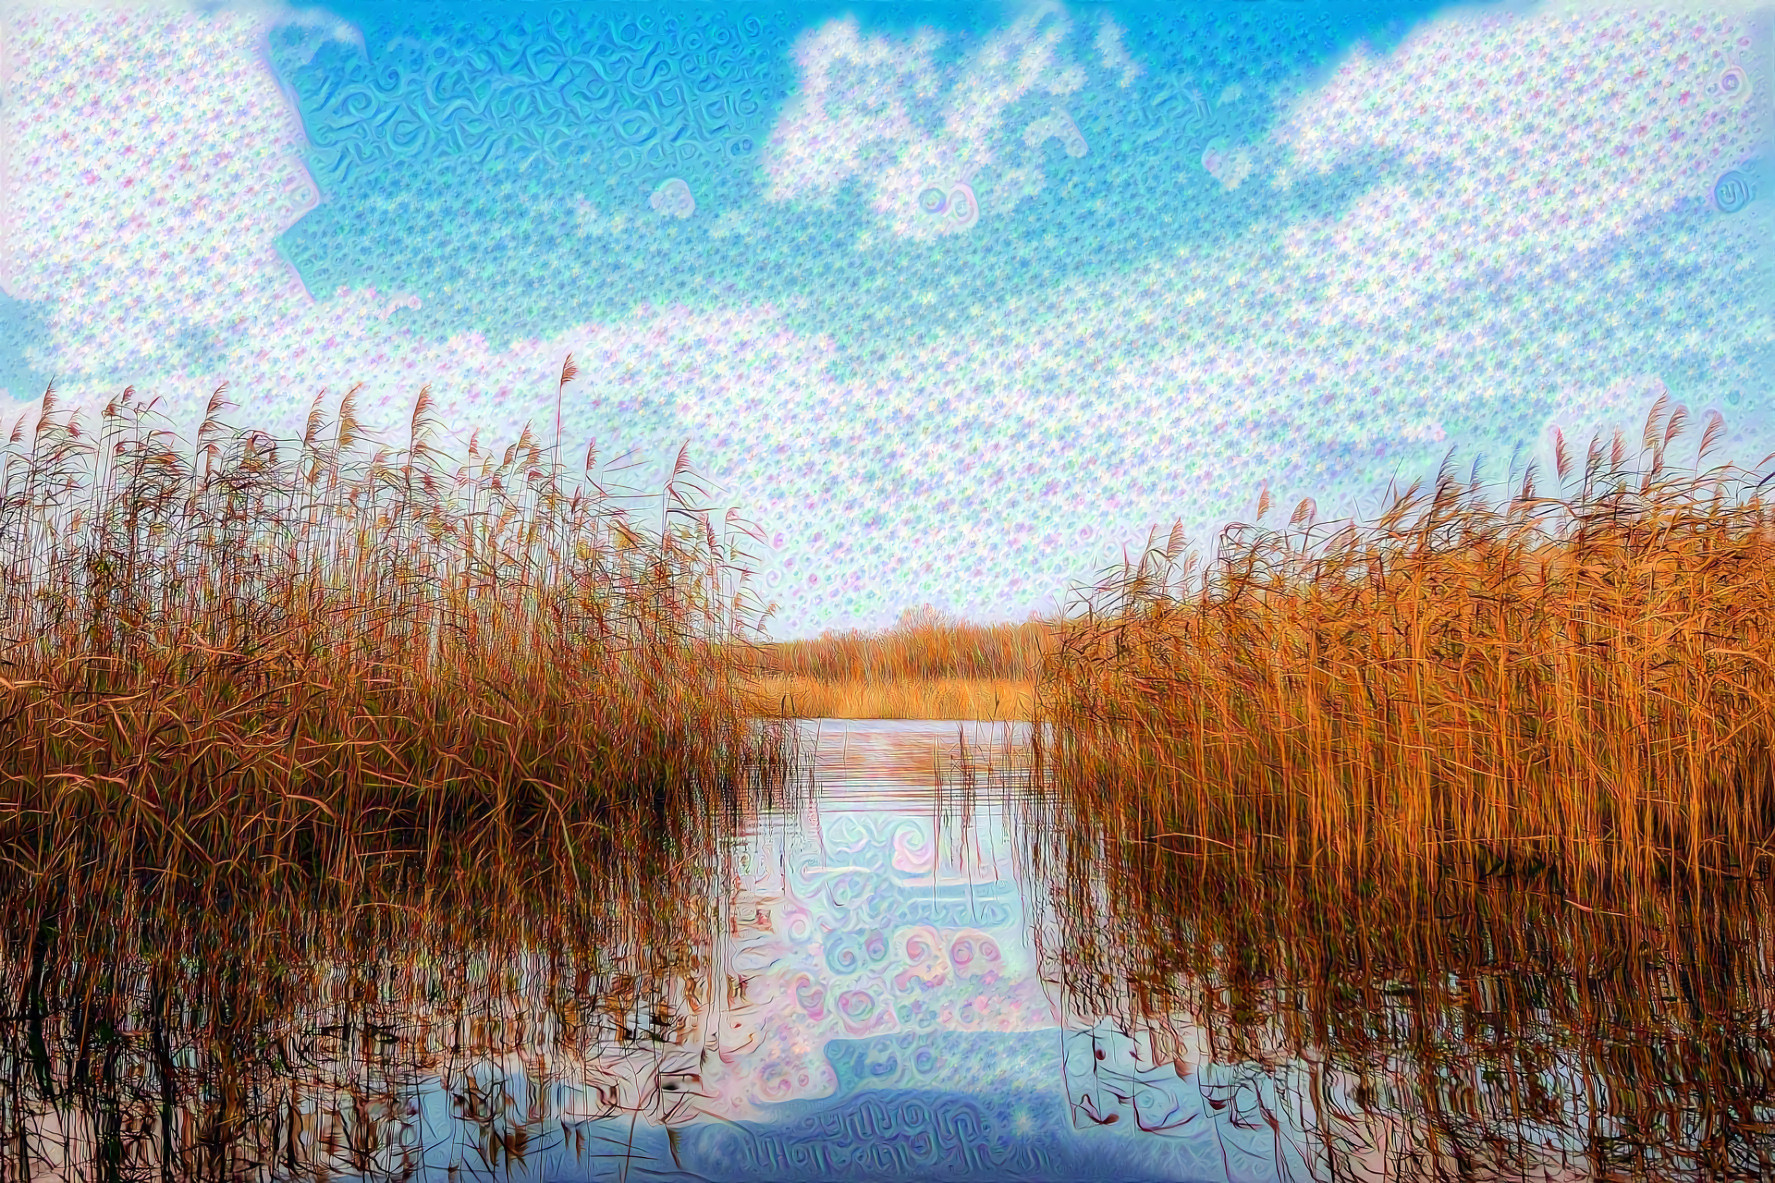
(1734, 84)
(881, 1133)
(1732, 192)
(870, 924)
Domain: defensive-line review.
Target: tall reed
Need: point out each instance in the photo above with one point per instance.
(1581, 681)
(263, 656)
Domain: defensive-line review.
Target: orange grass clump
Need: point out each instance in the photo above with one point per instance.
(928, 666)
(268, 656)
(979, 700)
(1580, 682)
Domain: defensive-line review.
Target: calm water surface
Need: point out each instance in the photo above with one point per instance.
(888, 985)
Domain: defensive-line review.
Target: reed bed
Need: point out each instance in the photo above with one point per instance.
(1579, 681)
(252, 657)
(924, 643)
(928, 666)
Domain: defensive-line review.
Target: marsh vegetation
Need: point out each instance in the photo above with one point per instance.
(336, 784)
(260, 656)
(928, 666)
(1577, 682)
(323, 774)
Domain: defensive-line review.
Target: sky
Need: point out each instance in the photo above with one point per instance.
(954, 302)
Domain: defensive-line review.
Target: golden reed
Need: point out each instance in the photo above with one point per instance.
(264, 655)
(1580, 681)
(928, 666)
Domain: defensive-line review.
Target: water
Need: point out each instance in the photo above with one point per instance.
(885, 982)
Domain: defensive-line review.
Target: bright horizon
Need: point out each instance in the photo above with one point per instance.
(954, 305)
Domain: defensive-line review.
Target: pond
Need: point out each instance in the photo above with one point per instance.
(903, 972)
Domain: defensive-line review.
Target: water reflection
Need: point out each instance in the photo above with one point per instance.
(919, 969)
(471, 1026)
(1486, 1028)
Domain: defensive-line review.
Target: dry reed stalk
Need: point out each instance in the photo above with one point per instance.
(269, 656)
(1583, 682)
(928, 666)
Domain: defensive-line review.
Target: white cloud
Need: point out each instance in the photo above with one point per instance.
(878, 111)
(1113, 54)
(1057, 126)
(1520, 142)
(1226, 164)
(152, 161)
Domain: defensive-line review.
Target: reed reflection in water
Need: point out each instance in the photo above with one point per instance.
(836, 984)
(921, 967)
(346, 1038)
(494, 1001)
(1487, 1028)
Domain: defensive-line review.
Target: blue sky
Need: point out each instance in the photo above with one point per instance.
(953, 301)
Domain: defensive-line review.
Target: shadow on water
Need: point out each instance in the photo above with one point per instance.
(920, 967)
